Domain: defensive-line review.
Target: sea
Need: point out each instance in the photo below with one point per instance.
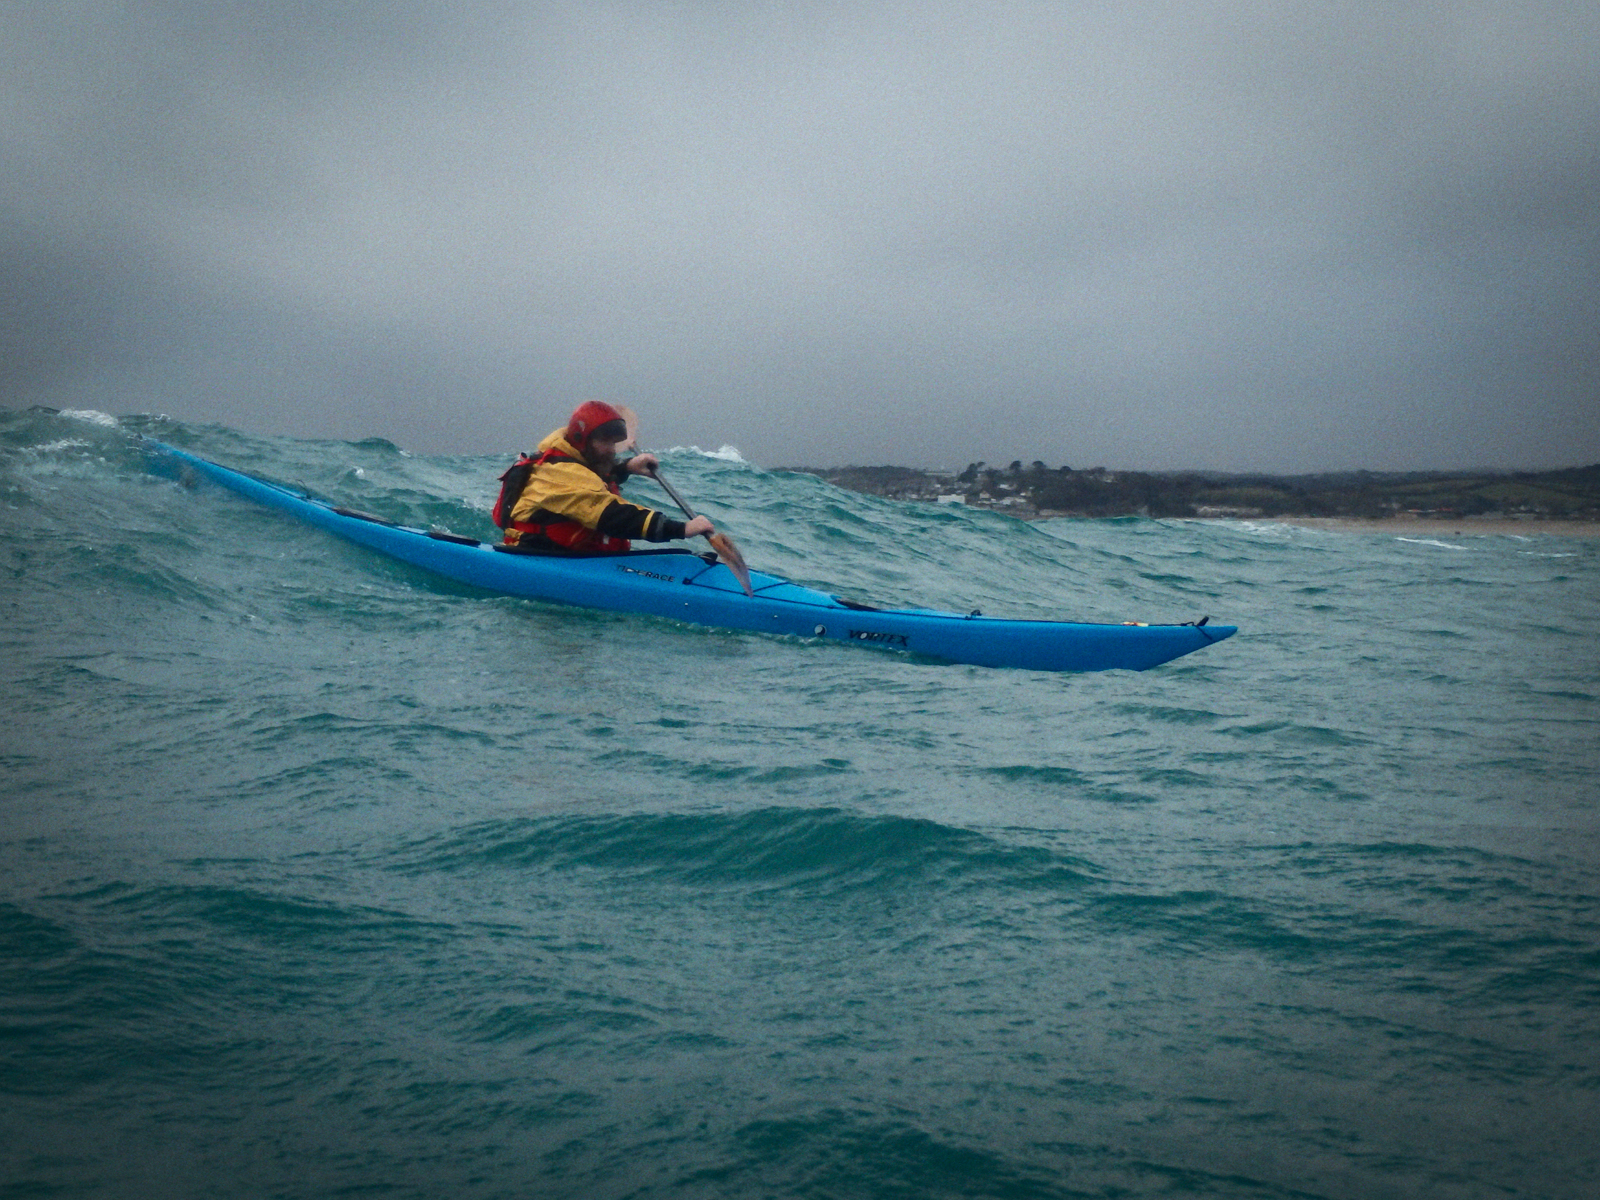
(323, 877)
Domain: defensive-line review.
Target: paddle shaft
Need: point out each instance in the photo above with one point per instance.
(720, 542)
(673, 492)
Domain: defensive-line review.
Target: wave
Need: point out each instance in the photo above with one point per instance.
(89, 415)
(825, 850)
(876, 550)
(1435, 542)
(822, 864)
(722, 454)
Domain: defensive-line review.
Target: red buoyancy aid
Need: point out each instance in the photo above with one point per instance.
(563, 531)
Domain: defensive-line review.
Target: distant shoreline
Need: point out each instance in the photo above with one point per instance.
(1563, 502)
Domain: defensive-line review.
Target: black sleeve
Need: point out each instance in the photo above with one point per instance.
(624, 520)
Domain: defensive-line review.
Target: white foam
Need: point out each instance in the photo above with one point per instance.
(725, 454)
(60, 444)
(1270, 528)
(88, 414)
(1429, 542)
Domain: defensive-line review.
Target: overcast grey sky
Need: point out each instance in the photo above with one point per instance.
(1254, 236)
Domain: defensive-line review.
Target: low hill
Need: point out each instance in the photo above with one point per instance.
(1571, 493)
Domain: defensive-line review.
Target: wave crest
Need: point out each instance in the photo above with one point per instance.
(90, 416)
(825, 850)
(723, 453)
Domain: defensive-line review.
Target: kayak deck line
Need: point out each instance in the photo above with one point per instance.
(681, 585)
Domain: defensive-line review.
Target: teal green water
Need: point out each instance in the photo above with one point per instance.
(320, 877)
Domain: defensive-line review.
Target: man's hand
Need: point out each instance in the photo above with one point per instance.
(699, 527)
(643, 464)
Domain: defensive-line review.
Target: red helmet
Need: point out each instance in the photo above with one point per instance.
(591, 417)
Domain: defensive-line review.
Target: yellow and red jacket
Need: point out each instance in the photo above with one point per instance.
(568, 505)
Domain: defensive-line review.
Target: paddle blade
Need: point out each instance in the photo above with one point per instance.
(729, 553)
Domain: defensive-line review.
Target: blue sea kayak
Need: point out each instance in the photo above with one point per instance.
(685, 586)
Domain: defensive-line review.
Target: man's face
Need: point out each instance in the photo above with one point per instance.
(603, 451)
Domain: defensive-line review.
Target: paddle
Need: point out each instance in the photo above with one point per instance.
(720, 542)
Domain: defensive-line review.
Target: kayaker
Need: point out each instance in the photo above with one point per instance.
(569, 497)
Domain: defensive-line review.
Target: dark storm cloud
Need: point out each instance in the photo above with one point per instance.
(1279, 236)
